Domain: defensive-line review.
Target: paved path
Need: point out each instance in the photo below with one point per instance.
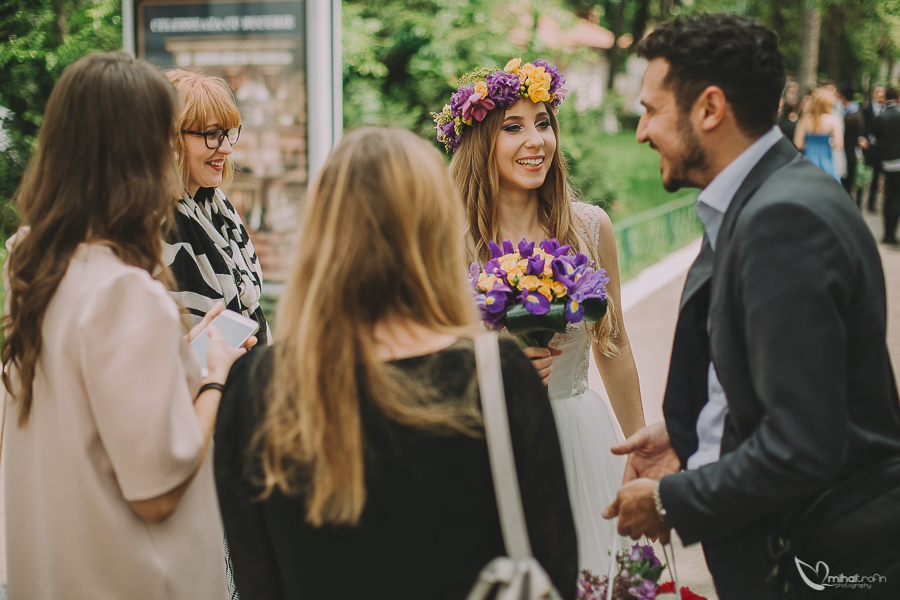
(650, 301)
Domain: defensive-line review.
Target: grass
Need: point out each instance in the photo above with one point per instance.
(633, 183)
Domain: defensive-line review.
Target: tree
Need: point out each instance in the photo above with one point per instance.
(38, 40)
(809, 47)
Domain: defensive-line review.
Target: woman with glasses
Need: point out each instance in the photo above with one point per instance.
(208, 249)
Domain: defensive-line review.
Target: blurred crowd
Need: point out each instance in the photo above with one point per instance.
(857, 142)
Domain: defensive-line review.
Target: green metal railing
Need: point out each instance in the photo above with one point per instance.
(646, 237)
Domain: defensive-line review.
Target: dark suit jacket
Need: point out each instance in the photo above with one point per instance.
(886, 129)
(795, 299)
(868, 113)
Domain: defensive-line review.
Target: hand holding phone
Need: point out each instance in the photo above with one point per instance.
(235, 328)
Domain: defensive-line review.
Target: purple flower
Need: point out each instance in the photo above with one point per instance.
(535, 266)
(525, 249)
(646, 590)
(574, 311)
(563, 271)
(492, 267)
(459, 98)
(446, 132)
(503, 89)
(496, 251)
(553, 248)
(508, 248)
(535, 303)
(649, 554)
(556, 78)
(495, 301)
(476, 107)
(474, 272)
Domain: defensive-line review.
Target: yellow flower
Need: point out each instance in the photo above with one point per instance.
(558, 289)
(528, 69)
(529, 282)
(486, 282)
(548, 268)
(481, 88)
(546, 291)
(539, 89)
(513, 66)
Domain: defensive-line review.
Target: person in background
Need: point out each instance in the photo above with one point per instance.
(109, 488)
(870, 111)
(208, 249)
(787, 122)
(350, 457)
(854, 125)
(818, 130)
(886, 131)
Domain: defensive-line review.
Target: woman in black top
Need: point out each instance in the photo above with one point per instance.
(350, 460)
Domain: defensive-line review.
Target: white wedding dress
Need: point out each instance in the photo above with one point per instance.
(587, 429)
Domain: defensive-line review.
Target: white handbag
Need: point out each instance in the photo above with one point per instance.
(517, 576)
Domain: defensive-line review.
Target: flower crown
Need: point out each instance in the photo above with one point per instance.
(488, 89)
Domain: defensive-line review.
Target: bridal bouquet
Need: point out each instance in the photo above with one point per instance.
(535, 292)
(637, 579)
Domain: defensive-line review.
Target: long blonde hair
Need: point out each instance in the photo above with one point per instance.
(112, 182)
(819, 107)
(204, 98)
(379, 238)
(475, 172)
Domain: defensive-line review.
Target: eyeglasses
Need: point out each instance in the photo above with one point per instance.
(216, 137)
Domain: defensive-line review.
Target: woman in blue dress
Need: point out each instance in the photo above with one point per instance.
(819, 132)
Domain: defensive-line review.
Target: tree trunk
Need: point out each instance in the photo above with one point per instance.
(613, 53)
(809, 47)
(639, 23)
(834, 43)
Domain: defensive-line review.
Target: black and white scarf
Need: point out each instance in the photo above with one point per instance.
(212, 259)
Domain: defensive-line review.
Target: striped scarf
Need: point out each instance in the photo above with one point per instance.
(212, 259)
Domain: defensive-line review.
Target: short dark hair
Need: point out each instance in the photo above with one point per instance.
(734, 53)
(848, 92)
(891, 94)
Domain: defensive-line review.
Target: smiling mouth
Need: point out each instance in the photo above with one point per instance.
(531, 162)
(216, 164)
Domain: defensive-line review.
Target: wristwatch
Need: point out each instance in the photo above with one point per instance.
(657, 502)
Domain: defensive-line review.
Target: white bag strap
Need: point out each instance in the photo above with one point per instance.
(496, 429)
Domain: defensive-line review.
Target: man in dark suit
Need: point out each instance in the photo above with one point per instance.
(780, 382)
(886, 131)
(870, 111)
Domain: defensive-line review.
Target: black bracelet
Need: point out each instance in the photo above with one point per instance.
(211, 386)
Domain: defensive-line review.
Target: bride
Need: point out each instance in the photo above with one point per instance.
(510, 171)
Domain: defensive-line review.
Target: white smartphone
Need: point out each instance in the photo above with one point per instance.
(234, 327)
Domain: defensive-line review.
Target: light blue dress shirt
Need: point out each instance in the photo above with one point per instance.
(711, 206)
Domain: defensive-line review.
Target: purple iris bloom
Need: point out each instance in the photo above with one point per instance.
(535, 266)
(574, 311)
(553, 248)
(508, 247)
(503, 89)
(495, 301)
(496, 251)
(646, 590)
(579, 260)
(535, 303)
(564, 271)
(525, 249)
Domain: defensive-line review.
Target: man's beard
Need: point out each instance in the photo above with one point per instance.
(693, 159)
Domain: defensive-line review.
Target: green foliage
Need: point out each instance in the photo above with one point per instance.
(38, 40)
(402, 59)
